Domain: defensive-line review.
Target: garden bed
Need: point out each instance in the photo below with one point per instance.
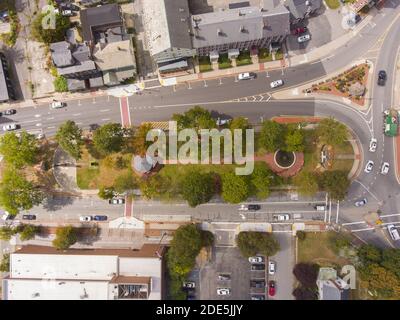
(205, 64)
(244, 59)
(224, 62)
(264, 55)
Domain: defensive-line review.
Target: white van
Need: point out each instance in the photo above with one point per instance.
(394, 233)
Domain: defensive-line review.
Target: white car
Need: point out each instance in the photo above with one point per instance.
(6, 216)
(271, 267)
(189, 284)
(394, 233)
(361, 203)
(276, 83)
(40, 136)
(222, 122)
(223, 291)
(10, 127)
(369, 166)
(246, 76)
(85, 218)
(385, 168)
(372, 145)
(303, 38)
(282, 217)
(57, 105)
(256, 259)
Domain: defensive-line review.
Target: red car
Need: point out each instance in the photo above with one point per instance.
(298, 31)
(271, 288)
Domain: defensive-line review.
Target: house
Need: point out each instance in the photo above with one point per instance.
(44, 273)
(330, 286)
(167, 31)
(6, 87)
(302, 9)
(116, 60)
(239, 29)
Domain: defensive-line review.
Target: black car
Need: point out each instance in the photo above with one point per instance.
(224, 277)
(257, 267)
(257, 284)
(258, 297)
(357, 18)
(29, 217)
(382, 77)
(254, 207)
(100, 218)
(69, 6)
(190, 297)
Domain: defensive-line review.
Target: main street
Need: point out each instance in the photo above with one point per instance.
(252, 99)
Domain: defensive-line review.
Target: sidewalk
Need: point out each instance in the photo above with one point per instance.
(396, 105)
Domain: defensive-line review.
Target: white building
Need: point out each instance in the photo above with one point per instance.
(44, 273)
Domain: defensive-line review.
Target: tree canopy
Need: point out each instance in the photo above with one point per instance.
(28, 232)
(69, 136)
(307, 183)
(5, 263)
(65, 237)
(261, 180)
(19, 151)
(252, 243)
(139, 140)
(294, 139)
(335, 183)
(197, 187)
(235, 188)
(197, 118)
(49, 35)
(306, 274)
(108, 138)
(272, 136)
(332, 132)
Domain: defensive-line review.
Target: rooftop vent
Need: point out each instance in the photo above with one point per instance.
(181, 10)
(308, 3)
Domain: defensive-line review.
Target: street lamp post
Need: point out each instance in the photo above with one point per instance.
(159, 244)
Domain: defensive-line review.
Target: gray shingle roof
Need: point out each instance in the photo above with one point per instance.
(299, 8)
(239, 25)
(61, 54)
(74, 84)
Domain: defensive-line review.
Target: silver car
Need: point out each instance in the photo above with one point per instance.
(276, 83)
(10, 127)
(304, 38)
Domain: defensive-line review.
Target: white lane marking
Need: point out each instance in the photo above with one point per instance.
(366, 188)
(105, 119)
(51, 127)
(360, 230)
(37, 115)
(50, 118)
(29, 121)
(38, 124)
(352, 223)
(390, 215)
(104, 110)
(77, 114)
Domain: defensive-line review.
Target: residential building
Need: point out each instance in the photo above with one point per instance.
(44, 273)
(6, 87)
(167, 32)
(239, 29)
(302, 9)
(330, 286)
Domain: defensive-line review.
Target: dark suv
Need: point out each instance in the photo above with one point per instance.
(257, 267)
(382, 77)
(257, 284)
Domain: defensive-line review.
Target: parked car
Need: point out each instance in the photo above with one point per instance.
(385, 168)
(100, 218)
(224, 277)
(257, 267)
(271, 267)
(69, 6)
(10, 127)
(223, 291)
(271, 288)
(304, 38)
(394, 233)
(67, 13)
(361, 203)
(8, 112)
(190, 297)
(257, 284)
(369, 166)
(246, 76)
(258, 297)
(299, 30)
(281, 217)
(40, 136)
(57, 104)
(382, 77)
(85, 218)
(116, 201)
(373, 145)
(222, 122)
(7, 216)
(357, 18)
(249, 207)
(321, 207)
(257, 259)
(28, 217)
(189, 284)
(276, 83)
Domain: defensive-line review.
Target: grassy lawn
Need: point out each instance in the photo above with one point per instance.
(224, 62)
(332, 4)
(92, 177)
(243, 59)
(315, 249)
(205, 64)
(278, 55)
(264, 55)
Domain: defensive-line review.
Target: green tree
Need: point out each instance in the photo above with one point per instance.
(69, 136)
(391, 261)
(301, 293)
(294, 139)
(235, 188)
(339, 242)
(335, 183)
(106, 193)
(28, 232)
(139, 140)
(184, 248)
(19, 151)
(307, 183)
(5, 263)
(125, 182)
(261, 180)
(384, 282)
(197, 187)
(60, 84)
(239, 123)
(306, 274)
(332, 132)
(252, 243)
(207, 238)
(65, 237)
(272, 136)
(301, 235)
(108, 138)
(16, 193)
(49, 35)
(369, 254)
(6, 233)
(197, 118)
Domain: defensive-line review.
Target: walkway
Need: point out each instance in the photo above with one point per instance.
(65, 171)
